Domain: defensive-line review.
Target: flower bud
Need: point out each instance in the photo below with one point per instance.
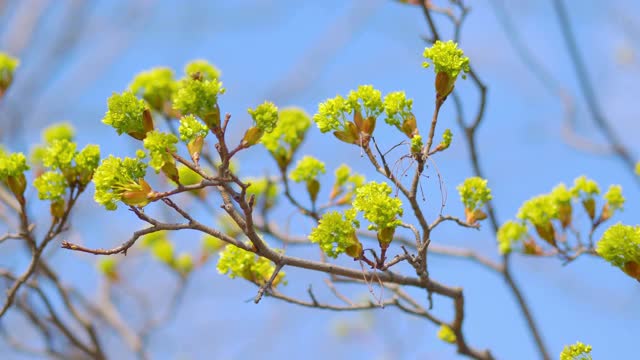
(590, 207)
(355, 249)
(547, 232)
(313, 187)
(385, 236)
(252, 136)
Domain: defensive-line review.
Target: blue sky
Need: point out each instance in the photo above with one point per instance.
(300, 53)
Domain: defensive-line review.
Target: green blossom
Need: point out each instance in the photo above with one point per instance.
(160, 146)
(285, 138)
(614, 197)
(342, 174)
(366, 100)
(539, 210)
(307, 169)
(59, 155)
(585, 188)
(12, 165)
(416, 144)
(197, 97)
(204, 68)
(561, 195)
(107, 266)
(263, 188)
(190, 128)
(331, 114)
(446, 334)
(577, 351)
(380, 209)
(156, 86)
(336, 234)
(150, 239)
(51, 186)
(638, 168)
(510, 233)
(474, 193)
(620, 244)
(397, 108)
(116, 177)
(164, 251)
(447, 136)
(184, 263)
(237, 262)
(88, 159)
(8, 65)
(125, 113)
(212, 244)
(447, 58)
(265, 116)
(59, 131)
(346, 180)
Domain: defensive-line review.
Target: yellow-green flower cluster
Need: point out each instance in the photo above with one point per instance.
(336, 234)
(87, 161)
(614, 197)
(191, 128)
(474, 193)
(397, 108)
(307, 169)
(342, 174)
(416, 144)
(380, 209)
(237, 262)
(8, 65)
(446, 334)
(150, 239)
(447, 136)
(331, 114)
(184, 263)
(585, 188)
(59, 131)
(265, 116)
(346, 182)
(163, 250)
(212, 244)
(577, 351)
(539, 210)
(446, 58)
(264, 189)
(120, 180)
(638, 168)
(160, 146)
(108, 266)
(198, 96)
(366, 100)
(289, 132)
(620, 244)
(12, 168)
(59, 154)
(202, 67)
(125, 113)
(510, 233)
(12, 165)
(562, 195)
(51, 185)
(156, 86)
